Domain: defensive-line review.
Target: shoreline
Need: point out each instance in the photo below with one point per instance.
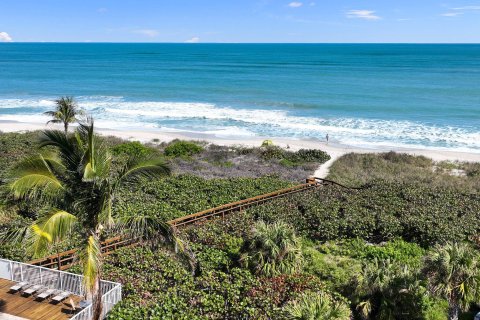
(335, 150)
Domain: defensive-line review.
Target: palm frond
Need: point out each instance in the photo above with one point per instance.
(57, 223)
(54, 121)
(67, 147)
(91, 260)
(34, 177)
(38, 241)
(146, 227)
(138, 168)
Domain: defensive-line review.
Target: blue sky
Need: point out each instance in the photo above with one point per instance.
(240, 20)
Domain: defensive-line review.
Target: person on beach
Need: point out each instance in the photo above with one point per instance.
(326, 137)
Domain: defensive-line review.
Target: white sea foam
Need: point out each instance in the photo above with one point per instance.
(225, 121)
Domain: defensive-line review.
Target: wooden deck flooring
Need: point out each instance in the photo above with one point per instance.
(28, 308)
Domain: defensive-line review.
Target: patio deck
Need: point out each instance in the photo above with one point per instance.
(27, 308)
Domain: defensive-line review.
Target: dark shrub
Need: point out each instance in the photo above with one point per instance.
(133, 148)
(182, 149)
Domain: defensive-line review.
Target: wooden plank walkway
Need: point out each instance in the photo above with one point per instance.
(66, 259)
(28, 308)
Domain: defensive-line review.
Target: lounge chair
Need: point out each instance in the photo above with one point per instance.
(32, 289)
(19, 286)
(72, 306)
(46, 294)
(61, 296)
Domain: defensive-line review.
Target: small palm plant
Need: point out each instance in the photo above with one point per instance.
(385, 290)
(317, 306)
(66, 112)
(453, 272)
(77, 187)
(274, 249)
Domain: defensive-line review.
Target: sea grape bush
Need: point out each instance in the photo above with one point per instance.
(182, 149)
(158, 286)
(185, 194)
(132, 148)
(381, 211)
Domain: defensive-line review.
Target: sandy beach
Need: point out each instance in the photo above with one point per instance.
(335, 150)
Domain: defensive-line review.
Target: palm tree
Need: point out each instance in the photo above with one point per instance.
(317, 306)
(273, 250)
(453, 272)
(387, 291)
(77, 188)
(66, 112)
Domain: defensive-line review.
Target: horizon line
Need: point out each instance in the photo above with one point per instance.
(200, 43)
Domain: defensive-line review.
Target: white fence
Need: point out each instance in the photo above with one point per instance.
(60, 280)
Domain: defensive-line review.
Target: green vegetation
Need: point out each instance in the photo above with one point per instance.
(74, 189)
(454, 274)
(381, 211)
(321, 306)
(273, 250)
(397, 248)
(132, 149)
(359, 169)
(182, 149)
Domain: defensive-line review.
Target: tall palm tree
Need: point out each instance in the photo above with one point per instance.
(453, 272)
(77, 188)
(317, 306)
(66, 112)
(274, 249)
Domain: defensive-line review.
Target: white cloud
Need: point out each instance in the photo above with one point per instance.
(193, 40)
(151, 33)
(295, 4)
(468, 8)
(461, 10)
(452, 14)
(363, 14)
(5, 37)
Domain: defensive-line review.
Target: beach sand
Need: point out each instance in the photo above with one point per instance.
(335, 150)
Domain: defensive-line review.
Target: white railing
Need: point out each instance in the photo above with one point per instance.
(60, 280)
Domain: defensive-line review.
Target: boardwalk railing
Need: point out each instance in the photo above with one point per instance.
(60, 280)
(65, 260)
(241, 205)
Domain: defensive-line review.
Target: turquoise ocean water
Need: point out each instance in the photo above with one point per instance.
(398, 95)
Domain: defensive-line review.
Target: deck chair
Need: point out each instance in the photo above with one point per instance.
(32, 289)
(19, 286)
(46, 294)
(61, 296)
(72, 306)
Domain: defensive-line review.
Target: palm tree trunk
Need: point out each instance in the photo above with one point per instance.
(65, 125)
(453, 311)
(97, 300)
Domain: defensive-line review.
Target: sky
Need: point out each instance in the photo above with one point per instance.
(232, 21)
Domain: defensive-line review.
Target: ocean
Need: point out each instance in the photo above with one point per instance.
(368, 95)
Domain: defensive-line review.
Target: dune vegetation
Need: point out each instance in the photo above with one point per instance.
(404, 245)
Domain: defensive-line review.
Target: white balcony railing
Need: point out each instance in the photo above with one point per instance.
(60, 280)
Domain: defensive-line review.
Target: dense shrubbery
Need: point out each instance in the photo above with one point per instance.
(379, 212)
(365, 248)
(133, 148)
(293, 158)
(157, 286)
(182, 149)
(358, 169)
(181, 195)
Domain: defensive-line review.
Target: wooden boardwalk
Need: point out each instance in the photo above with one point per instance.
(68, 258)
(27, 308)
